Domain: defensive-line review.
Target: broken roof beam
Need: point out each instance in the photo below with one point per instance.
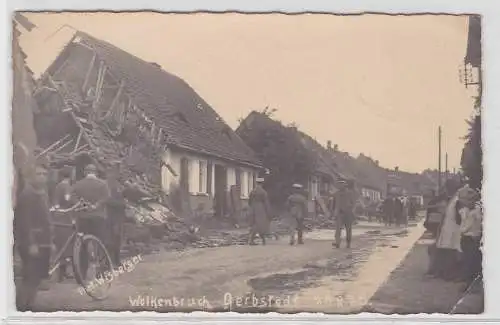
(89, 72)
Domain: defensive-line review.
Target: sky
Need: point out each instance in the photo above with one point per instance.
(373, 84)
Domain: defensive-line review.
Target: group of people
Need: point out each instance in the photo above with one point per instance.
(340, 206)
(35, 238)
(456, 254)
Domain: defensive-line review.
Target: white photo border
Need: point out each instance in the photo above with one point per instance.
(491, 131)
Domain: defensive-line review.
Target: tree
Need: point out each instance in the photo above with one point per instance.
(280, 150)
(472, 154)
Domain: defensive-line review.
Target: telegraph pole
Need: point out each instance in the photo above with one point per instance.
(439, 159)
(445, 168)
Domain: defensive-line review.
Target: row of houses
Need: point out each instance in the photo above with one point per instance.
(100, 102)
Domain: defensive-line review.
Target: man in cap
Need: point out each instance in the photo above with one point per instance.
(343, 212)
(33, 235)
(62, 199)
(297, 211)
(260, 213)
(95, 191)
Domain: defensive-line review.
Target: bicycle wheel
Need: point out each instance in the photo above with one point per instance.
(92, 266)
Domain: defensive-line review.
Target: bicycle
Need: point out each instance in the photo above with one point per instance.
(79, 242)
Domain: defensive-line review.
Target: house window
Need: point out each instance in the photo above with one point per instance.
(202, 178)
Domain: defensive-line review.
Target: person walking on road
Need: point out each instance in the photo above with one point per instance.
(343, 213)
(260, 213)
(296, 207)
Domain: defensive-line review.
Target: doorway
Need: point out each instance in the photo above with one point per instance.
(220, 185)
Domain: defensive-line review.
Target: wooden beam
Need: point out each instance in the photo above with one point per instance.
(115, 100)
(78, 140)
(52, 146)
(100, 76)
(87, 75)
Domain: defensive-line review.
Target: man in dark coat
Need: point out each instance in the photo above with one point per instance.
(62, 198)
(116, 212)
(260, 213)
(343, 213)
(296, 206)
(33, 236)
(94, 191)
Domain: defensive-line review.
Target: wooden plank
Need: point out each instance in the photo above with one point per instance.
(78, 140)
(115, 99)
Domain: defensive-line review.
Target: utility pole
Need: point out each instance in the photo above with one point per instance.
(445, 168)
(439, 159)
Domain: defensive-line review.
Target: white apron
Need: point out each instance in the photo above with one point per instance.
(450, 234)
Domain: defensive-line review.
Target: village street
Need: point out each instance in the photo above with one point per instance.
(310, 277)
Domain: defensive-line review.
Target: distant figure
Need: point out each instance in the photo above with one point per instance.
(399, 215)
(33, 236)
(260, 213)
(296, 207)
(412, 209)
(388, 210)
(343, 213)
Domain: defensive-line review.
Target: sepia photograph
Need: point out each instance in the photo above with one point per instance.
(247, 162)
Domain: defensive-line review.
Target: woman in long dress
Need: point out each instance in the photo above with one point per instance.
(448, 246)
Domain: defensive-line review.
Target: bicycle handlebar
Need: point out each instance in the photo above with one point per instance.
(79, 206)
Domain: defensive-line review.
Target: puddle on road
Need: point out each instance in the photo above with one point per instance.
(342, 267)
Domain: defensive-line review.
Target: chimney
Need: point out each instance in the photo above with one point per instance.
(396, 169)
(329, 145)
(376, 162)
(336, 147)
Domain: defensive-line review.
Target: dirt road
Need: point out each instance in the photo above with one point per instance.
(250, 278)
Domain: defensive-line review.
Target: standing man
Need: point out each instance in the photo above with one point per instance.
(344, 216)
(260, 213)
(116, 211)
(62, 198)
(95, 191)
(297, 211)
(33, 236)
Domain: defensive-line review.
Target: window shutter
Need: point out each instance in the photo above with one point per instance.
(209, 177)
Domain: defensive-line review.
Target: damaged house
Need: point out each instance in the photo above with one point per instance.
(99, 103)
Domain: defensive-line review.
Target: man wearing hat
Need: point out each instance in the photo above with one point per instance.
(297, 211)
(62, 198)
(95, 191)
(260, 213)
(343, 212)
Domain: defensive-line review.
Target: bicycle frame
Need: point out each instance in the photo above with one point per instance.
(75, 235)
